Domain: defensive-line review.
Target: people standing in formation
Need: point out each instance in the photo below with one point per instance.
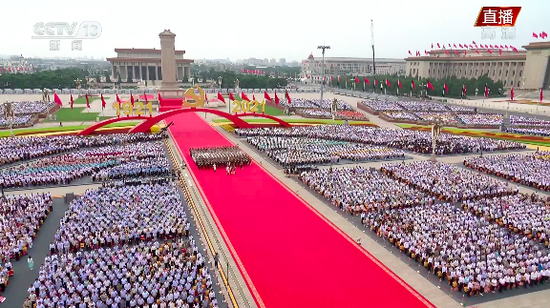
(21, 217)
(215, 157)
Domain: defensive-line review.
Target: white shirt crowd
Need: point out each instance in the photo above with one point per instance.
(292, 151)
(132, 159)
(357, 190)
(448, 182)
(482, 119)
(411, 140)
(14, 149)
(532, 169)
(119, 215)
(326, 104)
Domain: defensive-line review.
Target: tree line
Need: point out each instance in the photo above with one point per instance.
(247, 81)
(56, 79)
(454, 85)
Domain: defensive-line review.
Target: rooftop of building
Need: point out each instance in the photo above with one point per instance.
(145, 50)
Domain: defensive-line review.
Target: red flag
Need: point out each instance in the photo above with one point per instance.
(266, 96)
(339, 79)
(491, 46)
(243, 96)
(544, 35)
(460, 45)
(456, 52)
(430, 86)
(221, 98)
(541, 94)
(410, 53)
(477, 51)
(445, 88)
(375, 82)
(500, 51)
(486, 91)
(399, 83)
(331, 79)
(388, 83)
(489, 51)
(367, 80)
(72, 101)
(512, 93)
(464, 89)
(464, 52)
(357, 80)
(132, 99)
(56, 99)
(432, 45)
(118, 99)
(103, 104)
(87, 101)
(206, 97)
(413, 85)
(231, 97)
(288, 97)
(120, 102)
(474, 42)
(277, 98)
(535, 35)
(253, 96)
(438, 46)
(446, 52)
(454, 45)
(146, 101)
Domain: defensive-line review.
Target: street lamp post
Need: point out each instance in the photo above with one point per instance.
(323, 48)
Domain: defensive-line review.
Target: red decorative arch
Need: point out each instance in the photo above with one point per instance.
(267, 116)
(98, 125)
(146, 126)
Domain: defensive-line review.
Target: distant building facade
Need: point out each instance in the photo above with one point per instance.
(340, 66)
(134, 64)
(529, 69)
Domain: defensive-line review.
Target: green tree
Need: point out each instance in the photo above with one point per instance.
(62, 78)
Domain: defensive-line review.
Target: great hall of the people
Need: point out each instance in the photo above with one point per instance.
(524, 69)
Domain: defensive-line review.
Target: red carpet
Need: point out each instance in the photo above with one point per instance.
(289, 254)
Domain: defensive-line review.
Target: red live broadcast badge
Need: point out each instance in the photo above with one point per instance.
(497, 16)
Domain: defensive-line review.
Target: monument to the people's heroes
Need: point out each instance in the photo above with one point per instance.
(169, 85)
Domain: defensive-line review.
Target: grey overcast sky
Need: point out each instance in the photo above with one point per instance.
(237, 29)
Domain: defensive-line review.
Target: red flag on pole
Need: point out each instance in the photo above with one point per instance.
(72, 101)
(56, 99)
(432, 45)
(367, 80)
(388, 83)
(410, 53)
(220, 97)
(413, 85)
(132, 99)
(512, 93)
(446, 88)
(87, 101)
(120, 102)
(464, 89)
(357, 80)
(243, 96)
(103, 104)
(145, 95)
(276, 99)
(288, 97)
(375, 82)
(399, 83)
(486, 91)
(231, 97)
(541, 94)
(430, 86)
(160, 99)
(206, 97)
(266, 96)
(535, 35)
(253, 96)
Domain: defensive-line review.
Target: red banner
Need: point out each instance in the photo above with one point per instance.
(497, 16)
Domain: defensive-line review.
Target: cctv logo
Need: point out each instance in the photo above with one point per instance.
(86, 30)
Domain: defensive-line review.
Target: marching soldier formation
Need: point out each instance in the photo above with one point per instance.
(213, 157)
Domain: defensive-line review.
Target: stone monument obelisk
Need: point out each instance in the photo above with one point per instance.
(169, 85)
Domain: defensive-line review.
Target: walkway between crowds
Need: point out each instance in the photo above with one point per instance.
(287, 252)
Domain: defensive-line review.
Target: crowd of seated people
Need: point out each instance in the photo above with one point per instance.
(213, 157)
(357, 190)
(304, 103)
(314, 113)
(521, 213)
(15, 149)
(125, 246)
(532, 169)
(536, 131)
(528, 122)
(131, 159)
(293, 151)
(444, 118)
(481, 119)
(461, 109)
(469, 253)
(21, 217)
(411, 140)
(380, 105)
(401, 116)
(448, 182)
(423, 106)
(31, 108)
(18, 121)
(326, 114)
(351, 115)
(120, 215)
